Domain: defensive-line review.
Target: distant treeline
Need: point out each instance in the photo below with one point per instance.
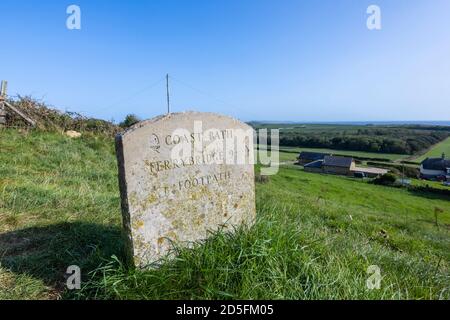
(401, 140)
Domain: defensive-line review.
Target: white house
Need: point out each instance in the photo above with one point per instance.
(435, 168)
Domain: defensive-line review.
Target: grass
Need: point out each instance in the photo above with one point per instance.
(314, 238)
(59, 205)
(436, 151)
(405, 139)
(431, 184)
(390, 156)
(284, 156)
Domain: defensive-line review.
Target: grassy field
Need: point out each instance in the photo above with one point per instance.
(436, 151)
(314, 238)
(295, 151)
(284, 156)
(383, 139)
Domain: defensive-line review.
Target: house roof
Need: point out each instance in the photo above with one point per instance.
(312, 155)
(314, 164)
(436, 164)
(335, 161)
(371, 170)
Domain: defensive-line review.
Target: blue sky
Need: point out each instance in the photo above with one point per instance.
(253, 59)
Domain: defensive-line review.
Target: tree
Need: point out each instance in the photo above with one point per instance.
(130, 120)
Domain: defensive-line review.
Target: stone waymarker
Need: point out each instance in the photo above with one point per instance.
(181, 176)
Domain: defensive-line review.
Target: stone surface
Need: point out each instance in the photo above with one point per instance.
(181, 176)
(73, 134)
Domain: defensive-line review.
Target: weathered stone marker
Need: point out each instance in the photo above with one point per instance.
(181, 176)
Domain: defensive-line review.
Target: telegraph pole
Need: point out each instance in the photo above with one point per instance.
(168, 93)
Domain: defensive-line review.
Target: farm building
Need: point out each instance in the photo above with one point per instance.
(315, 166)
(369, 172)
(306, 157)
(435, 168)
(338, 165)
(342, 166)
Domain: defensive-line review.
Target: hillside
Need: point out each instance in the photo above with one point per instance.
(315, 236)
(436, 151)
(381, 139)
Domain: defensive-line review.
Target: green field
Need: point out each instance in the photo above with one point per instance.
(431, 184)
(292, 153)
(284, 156)
(394, 141)
(436, 151)
(314, 238)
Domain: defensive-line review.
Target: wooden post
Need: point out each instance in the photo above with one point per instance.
(2, 113)
(3, 92)
(4, 88)
(24, 116)
(4, 105)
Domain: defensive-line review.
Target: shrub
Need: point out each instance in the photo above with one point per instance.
(387, 179)
(130, 120)
(53, 120)
(427, 188)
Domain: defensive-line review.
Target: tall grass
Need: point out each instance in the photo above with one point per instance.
(314, 238)
(292, 252)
